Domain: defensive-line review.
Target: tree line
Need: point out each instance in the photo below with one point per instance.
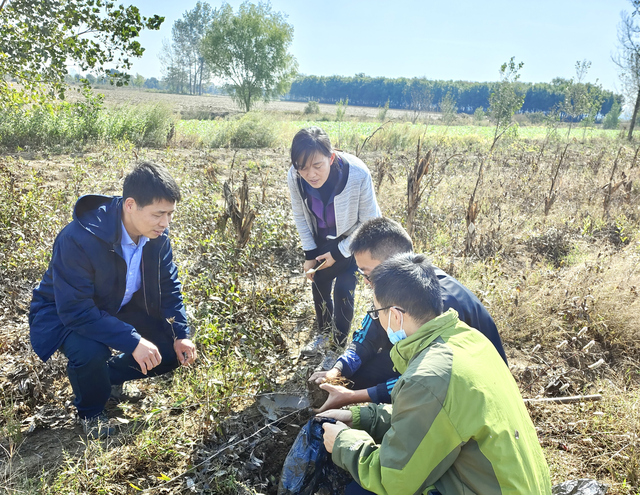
(246, 54)
(428, 95)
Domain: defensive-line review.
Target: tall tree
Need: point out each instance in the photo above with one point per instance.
(249, 52)
(183, 56)
(174, 68)
(39, 39)
(628, 59)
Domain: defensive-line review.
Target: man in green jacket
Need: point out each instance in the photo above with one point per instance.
(457, 423)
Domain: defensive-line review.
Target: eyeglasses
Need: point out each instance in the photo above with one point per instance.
(363, 275)
(374, 313)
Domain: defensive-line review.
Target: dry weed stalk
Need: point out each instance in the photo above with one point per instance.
(242, 217)
(472, 212)
(635, 157)
(368, 138)
(611, 188)
(414, 193)
(551, 197)
(383, 169)
(264, 182)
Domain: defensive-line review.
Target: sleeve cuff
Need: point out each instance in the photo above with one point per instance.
(373, 394)
(355, 417)
(132, 343)
(339, 365)
(311, 255)
(379, 394)
(336, 253)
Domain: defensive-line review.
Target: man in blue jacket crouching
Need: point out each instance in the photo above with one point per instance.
(112, 284)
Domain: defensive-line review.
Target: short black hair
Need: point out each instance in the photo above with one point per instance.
(382, 237)
(149, 182)
(409, 282)
(306, 143)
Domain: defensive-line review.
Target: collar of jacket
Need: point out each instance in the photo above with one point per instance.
(100, 215)
(404, 351)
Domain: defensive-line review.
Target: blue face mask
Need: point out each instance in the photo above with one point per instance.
(396, 337)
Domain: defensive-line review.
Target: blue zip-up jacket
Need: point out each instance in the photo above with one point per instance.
(83, 287)
(371, 338)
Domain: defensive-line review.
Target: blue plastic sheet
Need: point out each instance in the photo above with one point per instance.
(308, 467)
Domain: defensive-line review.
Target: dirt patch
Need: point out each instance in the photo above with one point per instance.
(43, 450)
(253, 444)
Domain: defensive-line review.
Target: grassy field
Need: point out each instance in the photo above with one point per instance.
(561, 282)
(352, 134)
(335, 130)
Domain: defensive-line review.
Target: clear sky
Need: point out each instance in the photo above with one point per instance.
(437, 39)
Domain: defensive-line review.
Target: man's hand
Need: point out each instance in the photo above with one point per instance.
(186, 351)
(146, 355)
(338, 396)
(325, 376)
(330, 433)
(341, 396)
(343, 415)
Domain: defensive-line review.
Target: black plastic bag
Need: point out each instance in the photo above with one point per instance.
(308, 468)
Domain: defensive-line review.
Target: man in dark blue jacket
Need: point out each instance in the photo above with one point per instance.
(367, 362)
(112, 284)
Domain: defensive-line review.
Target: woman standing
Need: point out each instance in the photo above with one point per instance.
(331, 196)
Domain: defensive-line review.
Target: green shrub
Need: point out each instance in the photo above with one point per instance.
(78, 123)
(143, 125)
(612, 119)
(254, 130)
(478, 115)
(536, 118)
(59, 123)
(312, 108)
(382, 111)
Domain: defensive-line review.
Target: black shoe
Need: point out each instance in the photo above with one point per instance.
(97, 428)
(315, 346)
(127, 392)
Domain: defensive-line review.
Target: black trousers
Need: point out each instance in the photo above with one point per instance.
(335, 314)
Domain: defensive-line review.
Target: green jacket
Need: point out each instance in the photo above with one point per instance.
(456, 423)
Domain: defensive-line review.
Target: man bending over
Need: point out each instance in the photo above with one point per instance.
(112, 284)
(366, 361)
(456, 424)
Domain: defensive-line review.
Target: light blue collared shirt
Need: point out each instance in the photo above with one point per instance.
(132, 254)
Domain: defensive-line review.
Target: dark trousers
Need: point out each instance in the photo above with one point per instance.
(338, 310)
(92, 369)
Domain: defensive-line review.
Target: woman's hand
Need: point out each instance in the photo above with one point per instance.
(308, 265)
(327, 258)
